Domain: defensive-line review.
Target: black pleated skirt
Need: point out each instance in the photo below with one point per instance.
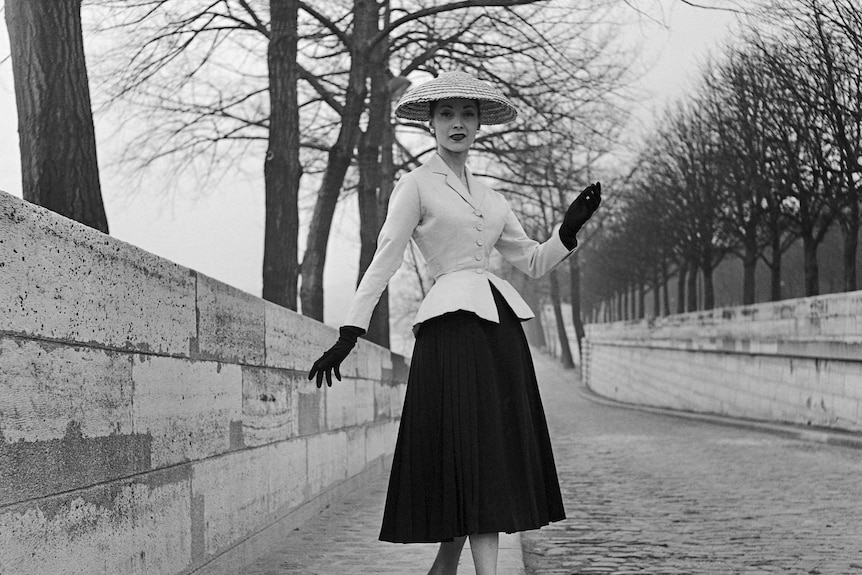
(473, 453)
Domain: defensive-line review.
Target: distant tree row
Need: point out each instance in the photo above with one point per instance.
(767, 153)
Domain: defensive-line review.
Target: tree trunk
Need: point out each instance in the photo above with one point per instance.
(534, 329)
(749, 267)
(633, 301)
(841, 125)
(59, 166)
(629, 298)
(282, 169)
(340, 156)
(812, 270)
(851, 246)
(575, 296)
(708, 287)
(775, 266)
(680, 288)
(641, 300)
(665, 280)
(371, 149)
(565, 350)
(692, 288)
(623, 309)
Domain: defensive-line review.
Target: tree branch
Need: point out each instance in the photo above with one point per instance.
(445, 8)
(327, 23)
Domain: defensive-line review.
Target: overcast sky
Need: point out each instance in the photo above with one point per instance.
(220, 232)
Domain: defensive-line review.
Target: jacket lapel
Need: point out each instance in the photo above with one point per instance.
(438, 166)
(477, 189)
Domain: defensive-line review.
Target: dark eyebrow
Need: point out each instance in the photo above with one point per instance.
(469, 106)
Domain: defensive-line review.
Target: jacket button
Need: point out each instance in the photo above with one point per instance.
(479, 270)
(477, 213)
(478, 257)
(479, 242)
(479, 226)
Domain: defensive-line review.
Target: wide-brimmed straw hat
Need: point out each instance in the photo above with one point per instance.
(494, 107)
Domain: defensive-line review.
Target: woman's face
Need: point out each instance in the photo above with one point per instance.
(455, 123)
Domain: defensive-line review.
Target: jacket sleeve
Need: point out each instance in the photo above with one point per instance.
(402, 217)
(531, 257)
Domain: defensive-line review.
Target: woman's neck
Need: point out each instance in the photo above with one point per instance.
(455, 160)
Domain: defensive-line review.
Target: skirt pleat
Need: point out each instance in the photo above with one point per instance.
(473, 454)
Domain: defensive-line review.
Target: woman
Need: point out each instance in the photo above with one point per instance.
(473, 457)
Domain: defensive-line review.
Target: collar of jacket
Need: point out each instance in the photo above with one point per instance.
(475, 196)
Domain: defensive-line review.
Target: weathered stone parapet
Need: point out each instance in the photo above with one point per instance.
(155, 420)
(797, 361)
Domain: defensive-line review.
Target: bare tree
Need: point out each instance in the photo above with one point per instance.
(282, 167)
(831, 55)
(690, 174)
(800, 157)
(735, 103)
(55, 121)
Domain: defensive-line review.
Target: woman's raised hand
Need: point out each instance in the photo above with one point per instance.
(579, 212)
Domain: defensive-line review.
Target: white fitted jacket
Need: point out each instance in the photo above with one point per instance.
(455, 231)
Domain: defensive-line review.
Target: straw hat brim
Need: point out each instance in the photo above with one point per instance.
(494, 107)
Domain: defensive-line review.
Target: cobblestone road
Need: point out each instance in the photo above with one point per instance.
(648, 493)
(343, 541)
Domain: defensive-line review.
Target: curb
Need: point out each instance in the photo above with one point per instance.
(816, 434)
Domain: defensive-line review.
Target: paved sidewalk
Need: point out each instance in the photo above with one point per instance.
(652, 493)
(343, 541)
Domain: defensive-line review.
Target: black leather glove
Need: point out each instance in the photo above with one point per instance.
(579, 212)
(332, 357)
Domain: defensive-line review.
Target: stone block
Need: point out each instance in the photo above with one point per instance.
(61, 280)
(45, 386)
(311, 407)
(356, 459)
(65, 419)
(292, 340)
(133, 526)
(230, 324)
(340, 404)
(378, 441)
(238, 494)
(270, 410)
(364, 406)
(357, 362)
(370, 358)
(846, 412)
(382, 400)
(327, 460)
(191, 409)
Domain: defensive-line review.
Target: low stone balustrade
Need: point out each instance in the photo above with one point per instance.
(155, 420)
(797, 361)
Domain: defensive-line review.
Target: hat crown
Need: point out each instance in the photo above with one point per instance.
(494, 107)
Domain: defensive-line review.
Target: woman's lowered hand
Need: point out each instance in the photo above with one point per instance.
(331, 359)
(579, 212)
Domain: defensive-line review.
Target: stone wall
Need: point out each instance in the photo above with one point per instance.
(155, 420)
(797, 361)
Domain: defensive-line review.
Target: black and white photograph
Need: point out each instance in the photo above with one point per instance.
(430, 287)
